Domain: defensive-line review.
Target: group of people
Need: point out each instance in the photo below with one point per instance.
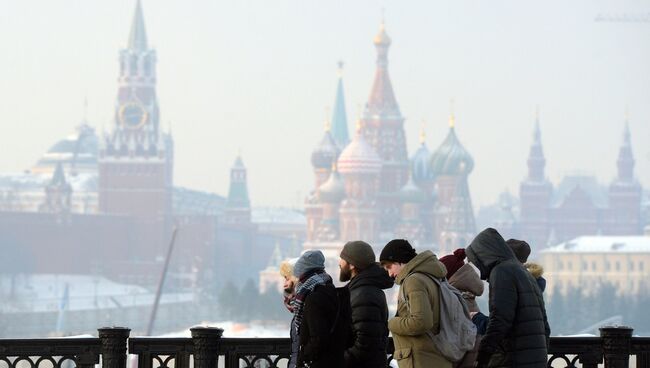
(349, 326)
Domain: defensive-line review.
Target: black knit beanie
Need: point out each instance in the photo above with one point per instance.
(397, 250)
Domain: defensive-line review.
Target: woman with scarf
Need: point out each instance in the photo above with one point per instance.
(321, 325)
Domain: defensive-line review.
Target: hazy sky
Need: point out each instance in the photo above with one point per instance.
(257, 76)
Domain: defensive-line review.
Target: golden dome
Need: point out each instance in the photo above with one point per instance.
(382, 38)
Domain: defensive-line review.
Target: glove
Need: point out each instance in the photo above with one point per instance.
(482, 360)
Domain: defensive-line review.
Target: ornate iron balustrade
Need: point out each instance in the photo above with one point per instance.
(54, 353)
(208, 349)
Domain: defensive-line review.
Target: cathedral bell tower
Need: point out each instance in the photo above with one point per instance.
(383, 129)
(625, 193)
(135, 155)
(535, 194)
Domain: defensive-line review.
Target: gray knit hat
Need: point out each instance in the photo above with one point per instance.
(358, 253)
(309, 261)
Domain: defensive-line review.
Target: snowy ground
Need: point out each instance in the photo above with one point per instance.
(236, 329)
(47, 293)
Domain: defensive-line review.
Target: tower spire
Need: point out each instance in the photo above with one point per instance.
(138, 34)
(85, 108)
(328, 124)
(423, 134)
(339, 117)
(452, 117)
(536, 160)
(537, 135)
(382, 98)
(625, 162)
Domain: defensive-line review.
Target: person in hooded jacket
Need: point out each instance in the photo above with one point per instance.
(517, 331)
(369, 309)
(418, 307)
(463, 277)
(321, 321)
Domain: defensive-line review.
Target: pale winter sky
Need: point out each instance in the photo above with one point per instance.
(256, 75)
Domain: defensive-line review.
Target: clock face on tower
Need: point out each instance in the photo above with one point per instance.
(132, 115)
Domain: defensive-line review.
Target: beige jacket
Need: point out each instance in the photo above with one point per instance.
(418, 313)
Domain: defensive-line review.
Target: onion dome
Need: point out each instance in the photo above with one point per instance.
(451, 158)
(420, 168)
(382, 37)
(411, 193)
(327, 151)
(77, 152)
(333, 190)
(359, 157)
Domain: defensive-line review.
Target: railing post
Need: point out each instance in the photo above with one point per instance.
(113, 346)
(616, 342)
(206, 345)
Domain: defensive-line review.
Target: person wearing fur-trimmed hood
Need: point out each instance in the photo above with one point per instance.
(521, 249)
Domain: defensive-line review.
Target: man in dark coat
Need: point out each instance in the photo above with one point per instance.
(369, 310)
(321, 323)
(517, 331)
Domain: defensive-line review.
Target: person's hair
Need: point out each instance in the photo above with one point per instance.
(387, 263)
(286, 269)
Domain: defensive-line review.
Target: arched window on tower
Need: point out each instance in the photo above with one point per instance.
(147, 66)
(133, 65)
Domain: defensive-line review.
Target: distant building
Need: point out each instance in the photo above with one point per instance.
(369, 189)
(579, 205)
(270, 278)
(106, 203)
(587, 262)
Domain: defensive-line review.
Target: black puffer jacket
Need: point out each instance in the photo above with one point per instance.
(369, 319)
(321, 343)
(517, 332)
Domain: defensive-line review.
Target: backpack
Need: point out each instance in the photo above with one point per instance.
(457, 331)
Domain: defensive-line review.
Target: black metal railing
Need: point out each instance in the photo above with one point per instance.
(615, 348)
(56, 353)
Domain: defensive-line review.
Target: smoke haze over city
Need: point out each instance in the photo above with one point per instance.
(257, 77)
(171, 156)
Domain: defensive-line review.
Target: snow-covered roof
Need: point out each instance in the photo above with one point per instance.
(281, 215)
(195, 202)
(47, 293)
(27, 181)
(603, 244)
(594, 190)
(257, 329)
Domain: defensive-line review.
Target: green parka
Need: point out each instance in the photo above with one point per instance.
(413, 347)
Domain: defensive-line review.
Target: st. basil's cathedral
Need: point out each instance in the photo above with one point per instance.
(368, 188)
(110, 199)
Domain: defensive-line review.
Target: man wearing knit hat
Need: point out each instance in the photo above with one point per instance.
(418, 308)
(369, 309)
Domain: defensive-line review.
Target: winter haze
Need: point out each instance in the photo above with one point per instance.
(257, 76)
